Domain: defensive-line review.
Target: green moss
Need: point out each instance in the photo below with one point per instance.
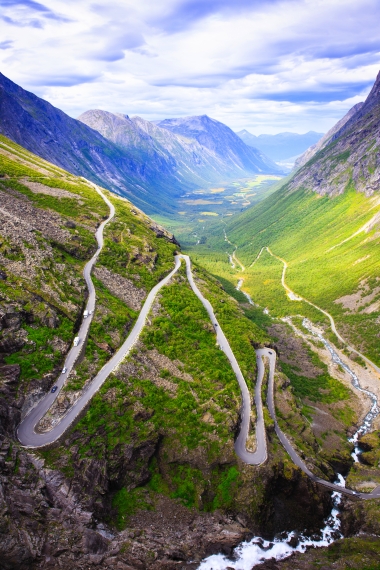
(39, 358)
(324, 388)
(226, 489)
(127, 503)
(185, 480)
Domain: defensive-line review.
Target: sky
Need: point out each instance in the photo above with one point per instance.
(267, 66)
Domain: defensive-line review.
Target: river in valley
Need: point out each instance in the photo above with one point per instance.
(257, 550)
(367, 423)
(254, 552)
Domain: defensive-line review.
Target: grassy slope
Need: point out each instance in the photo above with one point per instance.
(191, 427)
(302, 227)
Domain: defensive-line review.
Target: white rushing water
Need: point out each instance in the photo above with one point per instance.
(231, 261)
(373, 412)
(238, 288)
(257, 550)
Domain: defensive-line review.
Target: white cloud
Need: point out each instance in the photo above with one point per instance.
(293, 65)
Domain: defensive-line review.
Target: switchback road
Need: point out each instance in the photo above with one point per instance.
(30, 438)
(271, 355)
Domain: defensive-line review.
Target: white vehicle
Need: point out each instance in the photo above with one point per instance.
(76, 341)
(85, 314)
(64, 370)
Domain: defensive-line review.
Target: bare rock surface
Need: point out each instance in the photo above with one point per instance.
(121, 287)
(342, 158)
(39, 188)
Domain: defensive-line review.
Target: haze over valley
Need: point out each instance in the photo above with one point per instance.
(190, 285)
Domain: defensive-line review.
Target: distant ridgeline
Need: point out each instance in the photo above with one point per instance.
(283, 146)
(151, 165)
(325, 222)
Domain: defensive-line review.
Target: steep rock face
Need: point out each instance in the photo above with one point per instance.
(349, 156)
(162, 151)
(328, 137)
(222, 141)
(56, 137)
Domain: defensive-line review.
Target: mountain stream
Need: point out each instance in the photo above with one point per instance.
(366, 426)
(257, 550)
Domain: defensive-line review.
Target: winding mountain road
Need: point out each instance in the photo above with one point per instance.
(271, 355)
(25, 431)
(294, 297)
(30, 438)
(260, 455)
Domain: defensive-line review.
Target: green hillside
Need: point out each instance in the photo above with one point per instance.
(324, 224)
(329, 254)
(159, 435)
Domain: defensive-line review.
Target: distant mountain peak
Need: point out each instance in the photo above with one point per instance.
(222, 141)
(281, 146)
(374, 94)
(245, 132)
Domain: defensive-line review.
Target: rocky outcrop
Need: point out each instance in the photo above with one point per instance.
(349, 154)
(121, 287)
(161, 232)
(327, 138)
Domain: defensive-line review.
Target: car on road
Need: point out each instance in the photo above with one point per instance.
(76, 341)
(64, 370)
(270, 352)
(54, 389)
(85, 314)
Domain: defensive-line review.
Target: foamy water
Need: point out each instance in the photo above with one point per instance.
(373, 412)
(257, 550)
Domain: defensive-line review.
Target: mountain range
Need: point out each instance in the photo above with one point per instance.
(149, 164)
(325, 222)
(222, 141)
(148, 477)
(283, 146)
